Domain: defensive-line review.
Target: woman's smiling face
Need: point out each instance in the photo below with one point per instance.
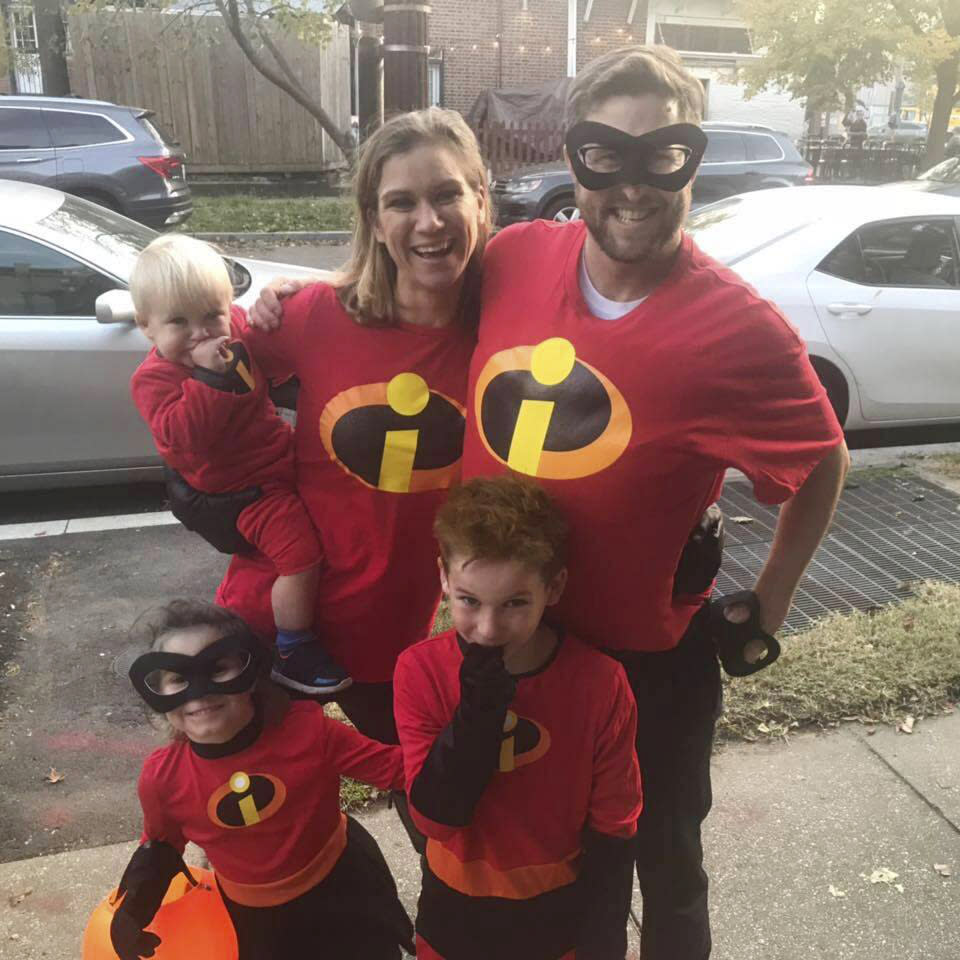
(428, 217)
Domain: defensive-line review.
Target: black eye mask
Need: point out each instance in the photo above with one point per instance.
(235, 659)
(635, 157)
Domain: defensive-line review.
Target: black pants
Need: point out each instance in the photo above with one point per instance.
(352, 914)
(678, 696)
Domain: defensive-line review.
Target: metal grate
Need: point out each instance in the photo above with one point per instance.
(888, 532)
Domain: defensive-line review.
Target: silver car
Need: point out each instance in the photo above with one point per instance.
(66, 416)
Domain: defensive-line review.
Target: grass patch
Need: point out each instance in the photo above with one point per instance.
(241, 213)
(872, 667)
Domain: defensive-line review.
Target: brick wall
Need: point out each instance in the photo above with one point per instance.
(496, 43)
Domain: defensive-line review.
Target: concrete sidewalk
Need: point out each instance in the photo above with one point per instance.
(797, 832)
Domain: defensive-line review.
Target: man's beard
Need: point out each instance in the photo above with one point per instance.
(657, 241)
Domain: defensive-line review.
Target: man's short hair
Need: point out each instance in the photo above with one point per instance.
(503, 518)
(633, 71)
(176, 272)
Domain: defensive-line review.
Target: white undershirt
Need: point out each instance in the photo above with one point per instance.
(599, 305)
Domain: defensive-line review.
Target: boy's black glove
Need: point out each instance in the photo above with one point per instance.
(466, 752)
(486, 687)
(212, 515)
(702, 554)
(732, 638)
(605, 890)
(143, 885)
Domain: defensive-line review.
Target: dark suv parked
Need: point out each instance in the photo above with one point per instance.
(114, 156)
(740, 157)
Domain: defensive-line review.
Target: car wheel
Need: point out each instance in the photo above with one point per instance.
(834, 382)
(562, 209)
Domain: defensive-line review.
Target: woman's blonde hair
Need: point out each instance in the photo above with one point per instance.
(175, 272)
(367, 284)
(151, 629)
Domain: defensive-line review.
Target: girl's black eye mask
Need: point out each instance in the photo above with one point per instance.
(169, 680)
(603, 156)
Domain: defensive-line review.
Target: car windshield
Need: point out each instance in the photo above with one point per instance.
(77, 223)
(946, 172)
(731, 230)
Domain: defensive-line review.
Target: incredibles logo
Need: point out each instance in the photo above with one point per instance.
(246, 800)
(524, 741)
(400, 437)
(545, 413)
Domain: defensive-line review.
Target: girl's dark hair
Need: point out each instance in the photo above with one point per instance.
(153, 625)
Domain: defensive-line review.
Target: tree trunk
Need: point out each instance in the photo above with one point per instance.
(942, 107)
(52, 46)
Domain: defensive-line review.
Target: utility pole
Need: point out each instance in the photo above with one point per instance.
(405, 53)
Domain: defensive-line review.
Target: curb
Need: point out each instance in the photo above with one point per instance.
(333, 237)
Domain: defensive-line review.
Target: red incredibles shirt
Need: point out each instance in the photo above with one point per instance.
(379, 439)
(631, 423)
(268, 816)
(218, 440)
(570, 763)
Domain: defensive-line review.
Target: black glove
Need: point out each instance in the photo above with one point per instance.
(466, 752)
(212, 515)
(143, 886)
(732, 638)
(605, 890)
(485, 685)
(702, 554)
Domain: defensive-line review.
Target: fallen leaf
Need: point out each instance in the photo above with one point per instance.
(907, 725)
(763, 728)
(881, 875)
(834, 892)
(741, 519)
(898, 887)
(943, 869)
(19, 897)
(54, 776)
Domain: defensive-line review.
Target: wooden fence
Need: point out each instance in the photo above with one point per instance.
(190, 71)
(508, 146)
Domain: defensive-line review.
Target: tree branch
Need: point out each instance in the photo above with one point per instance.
(231, 18)
(278, 57)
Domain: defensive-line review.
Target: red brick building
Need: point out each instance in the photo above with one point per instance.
(479, 44)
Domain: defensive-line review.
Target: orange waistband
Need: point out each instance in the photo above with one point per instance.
(477, 878)
(282, 891)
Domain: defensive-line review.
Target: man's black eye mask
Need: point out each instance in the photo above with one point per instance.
(635, 153)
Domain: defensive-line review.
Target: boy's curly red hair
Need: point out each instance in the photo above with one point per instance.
(503, 518)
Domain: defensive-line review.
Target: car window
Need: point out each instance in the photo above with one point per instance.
(724, 147)
(898, 253)
(22, 130)
(761, 146)
(36, 281)
(81, 129)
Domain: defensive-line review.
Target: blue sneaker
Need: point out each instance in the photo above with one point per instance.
(309, 669)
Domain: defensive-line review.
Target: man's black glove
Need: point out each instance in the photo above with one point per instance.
(732, 638)
(702, 554)
(466, 752)
(143, 886)
(212, 515)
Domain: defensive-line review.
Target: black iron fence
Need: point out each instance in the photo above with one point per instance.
(870, 163)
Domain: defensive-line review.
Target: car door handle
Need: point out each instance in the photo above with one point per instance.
(839, 309)
(29, 159)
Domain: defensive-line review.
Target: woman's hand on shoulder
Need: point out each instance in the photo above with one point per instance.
(267, 312)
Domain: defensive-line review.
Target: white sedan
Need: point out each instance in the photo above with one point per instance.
(66, 416)
(870, 278)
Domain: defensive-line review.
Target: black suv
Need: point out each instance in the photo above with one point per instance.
(114, 156)
(740, 157)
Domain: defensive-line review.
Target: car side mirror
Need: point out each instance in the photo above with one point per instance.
(115, 306)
